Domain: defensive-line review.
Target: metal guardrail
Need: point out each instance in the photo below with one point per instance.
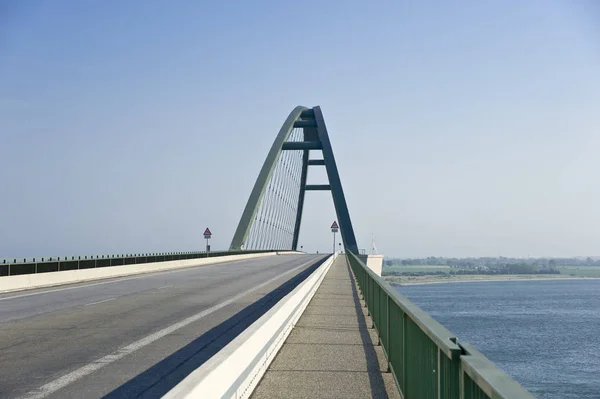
(425, 358)
(56, 264)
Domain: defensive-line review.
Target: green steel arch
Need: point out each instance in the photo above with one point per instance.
(315, 137)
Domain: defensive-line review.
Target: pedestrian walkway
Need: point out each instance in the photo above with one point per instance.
(331, 352)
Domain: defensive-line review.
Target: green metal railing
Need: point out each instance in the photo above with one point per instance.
(425, 358)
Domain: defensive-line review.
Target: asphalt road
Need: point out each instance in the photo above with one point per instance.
(135, 336)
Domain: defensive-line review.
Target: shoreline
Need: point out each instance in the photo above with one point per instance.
(484, 280)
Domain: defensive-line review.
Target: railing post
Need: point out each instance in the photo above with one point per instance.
(389, 338)
(365, 282)
(357, 274)
(461, 381)
(373, 312)
(368, 284)
(378, 315)
(404, 339)
(439, 374)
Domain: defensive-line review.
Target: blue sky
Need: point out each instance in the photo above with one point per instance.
(460, 128)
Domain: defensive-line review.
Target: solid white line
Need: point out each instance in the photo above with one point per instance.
(67, 288)
(165, 286)
(95, 303)
(67, 379)
(119, 279)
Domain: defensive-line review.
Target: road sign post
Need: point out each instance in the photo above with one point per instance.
(334, 229)
(207, 235)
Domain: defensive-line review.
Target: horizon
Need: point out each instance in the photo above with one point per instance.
(498, 257)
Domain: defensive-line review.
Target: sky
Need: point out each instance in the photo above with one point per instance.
(460, 128)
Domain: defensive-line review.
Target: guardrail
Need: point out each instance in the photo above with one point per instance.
(56, 264)
(425, 358)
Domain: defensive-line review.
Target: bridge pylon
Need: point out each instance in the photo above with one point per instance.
(273, 214)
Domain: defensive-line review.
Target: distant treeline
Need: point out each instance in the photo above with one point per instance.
(493, 263)
(510, 268)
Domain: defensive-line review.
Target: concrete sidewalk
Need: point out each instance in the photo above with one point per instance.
(330, 353)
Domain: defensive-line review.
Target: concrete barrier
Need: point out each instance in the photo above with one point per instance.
(29, 281)
(236, 370)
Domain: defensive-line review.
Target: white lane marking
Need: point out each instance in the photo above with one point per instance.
(67, 288)
(117, 279)
(165, 286)
(95, 303)
(67, 379)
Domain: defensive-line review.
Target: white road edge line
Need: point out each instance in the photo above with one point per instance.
(67, 379)
(105, 300)
(118, 279)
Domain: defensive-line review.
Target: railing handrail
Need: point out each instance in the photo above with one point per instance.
(475, 368)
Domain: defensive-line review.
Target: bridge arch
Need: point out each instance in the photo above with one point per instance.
(281, 186)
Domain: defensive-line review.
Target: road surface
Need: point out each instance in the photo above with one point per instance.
(135, 336)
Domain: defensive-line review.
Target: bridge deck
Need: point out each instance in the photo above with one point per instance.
(330, 353)
(135, 336)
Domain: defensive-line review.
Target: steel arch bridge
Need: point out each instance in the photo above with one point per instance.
(273, 214)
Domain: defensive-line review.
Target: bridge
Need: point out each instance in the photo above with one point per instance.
(259, 320)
